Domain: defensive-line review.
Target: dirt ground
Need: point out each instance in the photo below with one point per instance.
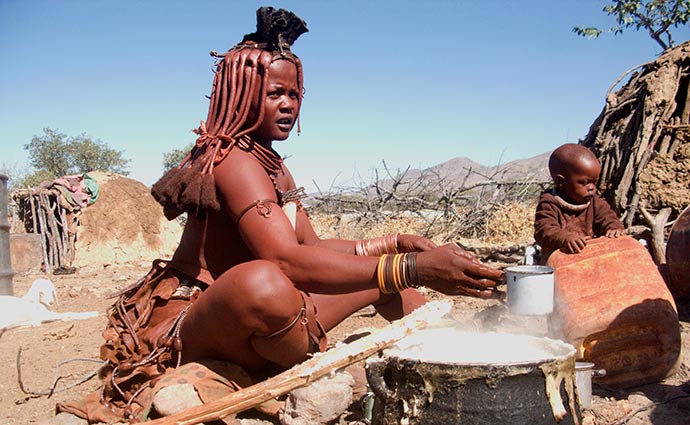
(45, 347)
(73, 346)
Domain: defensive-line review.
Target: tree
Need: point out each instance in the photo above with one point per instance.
(656, 16)
(55, 154)
(173, 158)
(88, 155)
(15, 174)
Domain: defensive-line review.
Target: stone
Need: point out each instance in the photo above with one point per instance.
(175, 398)
(320, 402)
(254, 421)
(65, 418)
(639, 399)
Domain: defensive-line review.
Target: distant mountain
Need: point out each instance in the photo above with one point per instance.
(462, 169)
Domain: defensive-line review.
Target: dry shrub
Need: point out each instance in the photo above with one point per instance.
(398, 224)
(511, 223)
(353, 227)
(325, 225)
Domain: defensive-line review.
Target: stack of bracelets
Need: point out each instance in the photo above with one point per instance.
(378, 246)
(395, 271)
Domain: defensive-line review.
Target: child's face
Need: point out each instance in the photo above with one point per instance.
(282, 103)
(579, 183)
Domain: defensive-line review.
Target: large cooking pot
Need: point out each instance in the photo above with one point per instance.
(446, 376)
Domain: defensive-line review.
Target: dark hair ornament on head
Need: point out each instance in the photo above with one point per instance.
(240, 74)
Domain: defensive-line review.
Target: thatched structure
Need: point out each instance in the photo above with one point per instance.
(43, 211)
(642, 138)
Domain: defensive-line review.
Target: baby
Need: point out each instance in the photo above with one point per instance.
(571, 213)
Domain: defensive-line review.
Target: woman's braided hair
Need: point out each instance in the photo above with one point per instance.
(240, 76)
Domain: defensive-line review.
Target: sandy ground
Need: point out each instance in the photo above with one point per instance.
(45, 347)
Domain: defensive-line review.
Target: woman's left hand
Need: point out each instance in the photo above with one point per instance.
(412, 243)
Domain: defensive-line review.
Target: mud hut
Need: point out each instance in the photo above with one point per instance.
(642, 138)
(125, 224)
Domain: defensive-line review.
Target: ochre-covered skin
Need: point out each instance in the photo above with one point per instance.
(612, 304)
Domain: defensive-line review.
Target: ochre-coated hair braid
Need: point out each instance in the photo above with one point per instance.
(240, 78)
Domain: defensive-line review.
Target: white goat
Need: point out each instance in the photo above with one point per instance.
(34, 308)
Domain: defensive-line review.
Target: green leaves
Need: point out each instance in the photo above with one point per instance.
(175, 157)
(589, 32)
(54, 154)
(655, 16)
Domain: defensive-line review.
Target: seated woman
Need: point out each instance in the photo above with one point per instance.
(251, 283)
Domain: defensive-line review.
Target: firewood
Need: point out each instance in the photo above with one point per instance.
(304, 373)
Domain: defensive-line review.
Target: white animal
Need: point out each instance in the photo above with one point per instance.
(34, 308)
(42, 291)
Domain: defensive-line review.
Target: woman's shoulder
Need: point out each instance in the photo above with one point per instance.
(241, 168)
(241, 180)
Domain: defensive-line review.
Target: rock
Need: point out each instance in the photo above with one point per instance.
(253, 421)
(320, 402)
(65, 418)
(588, 418)
(639, 399)
(175, 398)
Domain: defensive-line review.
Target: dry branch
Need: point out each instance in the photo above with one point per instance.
(657, 223)
(320, 365)
(446, 208)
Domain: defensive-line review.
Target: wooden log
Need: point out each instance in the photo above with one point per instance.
(45, 236)
(320, 365)
(657, 223)
(54, 236)
(64, 235)
(34, 219)
(33, 200)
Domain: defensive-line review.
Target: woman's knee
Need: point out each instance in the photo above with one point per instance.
(259, 281)
(262, 290)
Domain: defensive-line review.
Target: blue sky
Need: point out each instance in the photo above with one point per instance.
(409, 82)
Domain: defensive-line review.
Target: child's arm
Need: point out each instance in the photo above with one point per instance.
(549, 233)
(606, 222)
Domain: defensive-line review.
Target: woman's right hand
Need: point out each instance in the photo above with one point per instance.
(453, 271)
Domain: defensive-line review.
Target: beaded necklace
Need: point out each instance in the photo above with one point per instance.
(271, 161)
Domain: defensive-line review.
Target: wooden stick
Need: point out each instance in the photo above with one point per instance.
(302, 374)
(657, 223)
(45, 234)
(33, 213)
(52, 231)
(65, 235)
(35, 216)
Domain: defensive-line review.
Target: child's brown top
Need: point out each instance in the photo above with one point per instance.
(555, 221)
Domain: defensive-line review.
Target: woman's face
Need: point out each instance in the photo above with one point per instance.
(281, 105)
